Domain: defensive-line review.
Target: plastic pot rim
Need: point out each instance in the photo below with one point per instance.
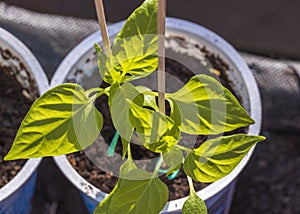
(189, 29)
(18, 49)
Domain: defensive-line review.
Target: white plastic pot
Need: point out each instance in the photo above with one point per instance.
(15, 197)
(218, 195)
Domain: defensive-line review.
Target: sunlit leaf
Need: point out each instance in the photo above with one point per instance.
(151, 126)
(216, 158)
(140, 193)
(206, 107)
(62, 121)
(149, 100)
(107, 66)
(135, 47)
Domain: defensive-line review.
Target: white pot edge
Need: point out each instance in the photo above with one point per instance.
(32, 64)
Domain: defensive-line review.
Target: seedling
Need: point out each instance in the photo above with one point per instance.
(64, 120)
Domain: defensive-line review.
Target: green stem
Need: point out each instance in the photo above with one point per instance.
(129, 151)
(157, 167)
(191, 185)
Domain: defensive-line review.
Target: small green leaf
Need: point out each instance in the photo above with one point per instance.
(149, 100)
(140, 192)
(127, 167)
(150, 125)
(173, 158)
(206, 107)
(217, 157)
(162, 144)
(119, 108)
(109, 67)
(62, 121)
(194, 204)
(135, 47)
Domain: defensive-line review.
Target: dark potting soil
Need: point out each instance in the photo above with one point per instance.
(105, 180)
(13, 107)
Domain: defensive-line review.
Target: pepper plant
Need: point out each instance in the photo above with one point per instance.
(64, 120)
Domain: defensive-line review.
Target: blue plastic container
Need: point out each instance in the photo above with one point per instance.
(19, 202)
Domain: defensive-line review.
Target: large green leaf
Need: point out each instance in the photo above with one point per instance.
(206, 107)
(135, 47)
(142, 193)
(120, 110)
(62, 121)
(217, 157)
(104, 205)
(194, 204)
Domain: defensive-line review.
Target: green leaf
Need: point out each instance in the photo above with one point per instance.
(62, 121)
(206, 107)
(125, 144)
(140, 192)
(127, 167)
(103, 207)
(119, 108)
(162, 144)
(106, 65)
(194, 204)
(150, 125)
(173, 158)
(217, 157)
(149, 100)
(135, 47)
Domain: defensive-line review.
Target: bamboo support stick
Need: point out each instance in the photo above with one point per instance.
(103, 26)
(161, 55)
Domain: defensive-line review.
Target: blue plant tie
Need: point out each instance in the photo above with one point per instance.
(173, 175)
(113, 144)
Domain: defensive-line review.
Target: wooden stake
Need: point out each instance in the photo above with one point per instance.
(161, 55)
(103, 26)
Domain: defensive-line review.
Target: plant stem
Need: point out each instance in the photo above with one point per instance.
(129, 151)
(158, 165)
(103, 26)
(191, 185)
(161, 55)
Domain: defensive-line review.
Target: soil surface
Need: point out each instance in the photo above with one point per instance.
(13, 107)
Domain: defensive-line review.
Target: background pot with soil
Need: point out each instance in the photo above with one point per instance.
(22, 80)
(186, 45)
